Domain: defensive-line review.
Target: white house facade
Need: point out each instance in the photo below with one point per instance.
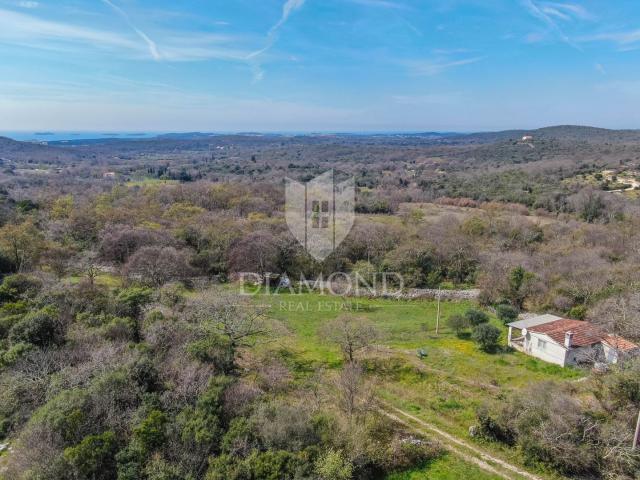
(568, 342)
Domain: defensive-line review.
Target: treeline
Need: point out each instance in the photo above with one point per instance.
(163, 233)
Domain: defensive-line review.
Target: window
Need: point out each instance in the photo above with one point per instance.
(320, 214)
(542, 345)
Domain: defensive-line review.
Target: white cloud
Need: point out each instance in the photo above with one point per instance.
(554, 12)
(153, 48)
(380, 3)
(28, 4)
(626, 40)
(550, 13)
(600, 68)
(287, 9)
(429, 68)
(30, 31)
(570, 10)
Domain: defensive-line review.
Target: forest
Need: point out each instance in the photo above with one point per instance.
(128, 351)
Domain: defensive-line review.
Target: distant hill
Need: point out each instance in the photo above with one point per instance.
(13, 149)
(566, 138)
(559, 132)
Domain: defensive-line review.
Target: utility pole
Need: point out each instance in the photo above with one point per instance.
(636, 437)
(438, 314)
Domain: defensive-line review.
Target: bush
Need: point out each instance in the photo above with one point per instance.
(579, 312)
(476, 317)
(200, 426)
(19, 286)
(492, 429)
(507, 313)
(213, 349)
(65, 415)
(267, 465)
(93, 457)
(7, 322)
(120, 329)
(150, 434)
(486, 336)
(130, 301)
(160, 469)
(14, 353)
(39, 328)
(333, 465)
(457, 323)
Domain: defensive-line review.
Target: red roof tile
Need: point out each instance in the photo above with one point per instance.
(584, 333)
(620, 343)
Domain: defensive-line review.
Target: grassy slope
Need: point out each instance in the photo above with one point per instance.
(448, 467)
(445, 388)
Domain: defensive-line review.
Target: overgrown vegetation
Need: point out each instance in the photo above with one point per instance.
(125, 351)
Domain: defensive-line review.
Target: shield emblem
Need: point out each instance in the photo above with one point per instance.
(320, 213)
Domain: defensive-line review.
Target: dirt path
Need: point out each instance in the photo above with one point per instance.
(477, 457)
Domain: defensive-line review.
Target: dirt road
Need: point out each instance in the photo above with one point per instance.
(458, 447)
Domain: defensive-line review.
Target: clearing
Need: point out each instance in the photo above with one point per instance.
(437, 396)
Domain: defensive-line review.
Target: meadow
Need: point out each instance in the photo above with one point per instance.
(444, 388)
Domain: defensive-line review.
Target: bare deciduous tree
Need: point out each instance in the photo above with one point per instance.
(619, 315)
(157, 265)
(230, 317)
(351, 333)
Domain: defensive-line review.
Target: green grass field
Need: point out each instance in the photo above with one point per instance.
(149, 182)
(447, 467)
(445, 388)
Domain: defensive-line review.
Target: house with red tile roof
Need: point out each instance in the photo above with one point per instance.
(568, 342)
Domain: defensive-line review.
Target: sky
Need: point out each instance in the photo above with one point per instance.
(318, 65)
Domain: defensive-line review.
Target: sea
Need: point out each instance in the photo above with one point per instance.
(51, 136)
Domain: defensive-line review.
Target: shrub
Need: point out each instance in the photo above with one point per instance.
(93, 457)
(6, 323)
(200, 426)
(14, 353)
(119, 329)
(492, 429)
(507, 313)
(457, 323)
(579, 312)
(476, 317)
(160, 469)
(130, 301)
(65, 415)
(486, 336)
(18, 286)
(333, 465)
(39, 328)
(150, 434)
(213, 349)
(240, 438)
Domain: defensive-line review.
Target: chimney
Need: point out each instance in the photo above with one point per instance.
(568, 339)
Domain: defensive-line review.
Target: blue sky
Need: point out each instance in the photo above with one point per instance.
(318, 65)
